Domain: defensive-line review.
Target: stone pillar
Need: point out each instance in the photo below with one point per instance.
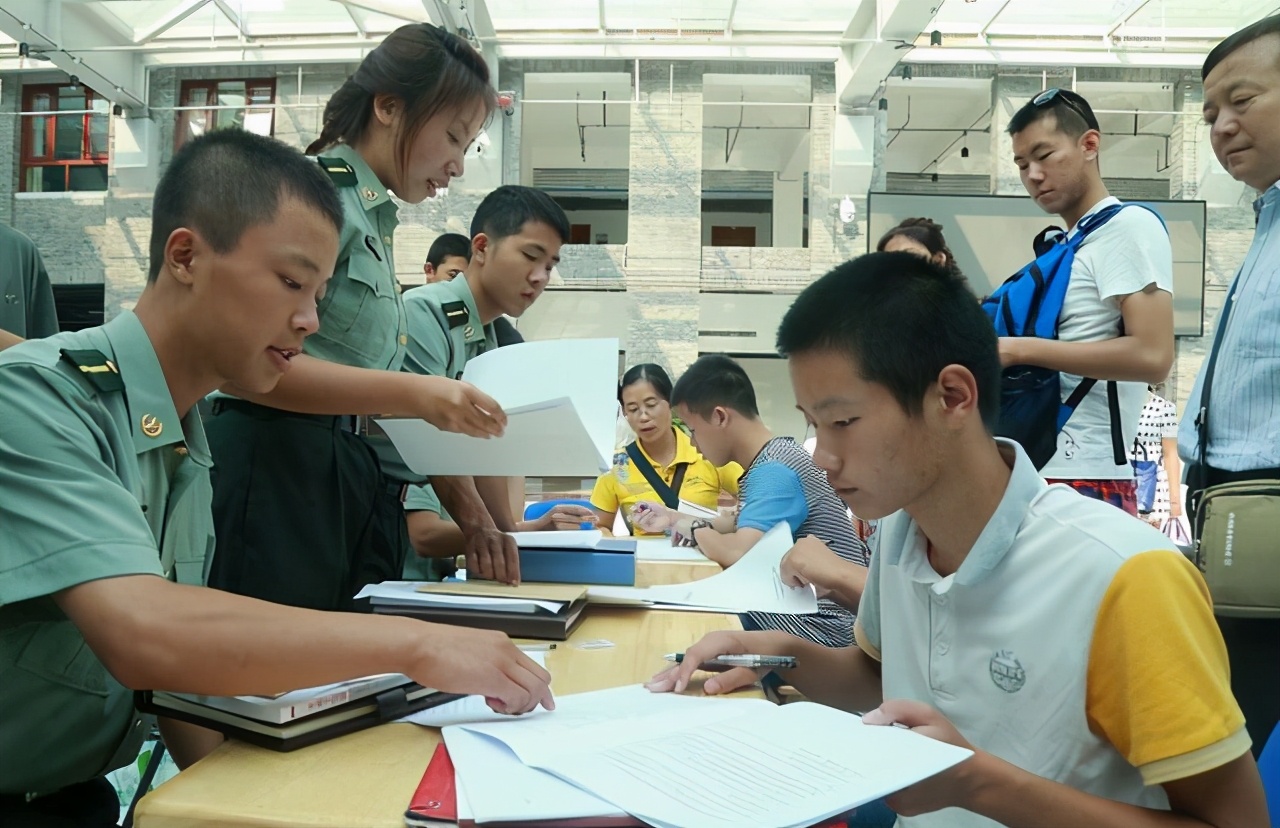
(788, 211)
(512, 80)
(1188, 135)
(664, 221)
(11, 141)
(1008, 94)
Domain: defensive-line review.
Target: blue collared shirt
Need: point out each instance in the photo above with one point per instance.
(1244, 421)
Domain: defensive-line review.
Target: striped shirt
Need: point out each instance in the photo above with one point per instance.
(784, 484)
(1244, 419)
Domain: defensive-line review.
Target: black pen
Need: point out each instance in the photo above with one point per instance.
(742, 660)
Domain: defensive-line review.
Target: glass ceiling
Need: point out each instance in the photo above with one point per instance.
(233, 23)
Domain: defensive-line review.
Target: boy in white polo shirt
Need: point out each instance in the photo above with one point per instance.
(1069, 645)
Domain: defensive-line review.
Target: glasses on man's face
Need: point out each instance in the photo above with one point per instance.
(1048, 96)
(650, 408)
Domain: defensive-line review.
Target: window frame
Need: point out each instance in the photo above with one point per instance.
(210, 87)
(88, 158)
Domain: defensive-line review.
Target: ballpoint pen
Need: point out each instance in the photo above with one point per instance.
(742, 660)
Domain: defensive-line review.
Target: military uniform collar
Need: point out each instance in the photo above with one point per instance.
(458, 288)
(369, 188)
(154, 420)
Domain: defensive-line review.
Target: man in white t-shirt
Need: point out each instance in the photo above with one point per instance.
(1117, 317)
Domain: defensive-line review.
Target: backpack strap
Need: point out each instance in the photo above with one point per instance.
(1113, 414)
(669, 495)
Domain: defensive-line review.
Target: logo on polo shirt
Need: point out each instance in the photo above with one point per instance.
(1007, 672)
(620, 467)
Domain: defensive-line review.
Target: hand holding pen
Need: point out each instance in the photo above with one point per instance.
(752, 660)
(743, 657)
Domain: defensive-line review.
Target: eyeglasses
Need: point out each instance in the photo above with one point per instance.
(651, 408)
(1048, 96)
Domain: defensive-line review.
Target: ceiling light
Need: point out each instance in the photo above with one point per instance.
(934, 178)
(906, 72)
(935, 38)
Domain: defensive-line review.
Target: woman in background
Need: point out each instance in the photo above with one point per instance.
(923, 237)
(661, 453)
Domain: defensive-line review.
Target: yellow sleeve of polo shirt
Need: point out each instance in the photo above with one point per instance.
(1159, 687)
(605, 495)
(729, 475)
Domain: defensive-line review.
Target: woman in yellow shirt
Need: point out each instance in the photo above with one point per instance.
(664, 451)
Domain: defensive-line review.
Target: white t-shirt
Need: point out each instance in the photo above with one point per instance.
(1123, 256)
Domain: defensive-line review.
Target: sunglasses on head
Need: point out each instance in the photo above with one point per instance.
(1048, 96)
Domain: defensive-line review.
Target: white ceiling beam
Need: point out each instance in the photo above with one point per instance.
(882, 28)
(231, 15)
(600, 8)
(1125, 18)
(728, 21)
(169, 19)
(49, 26)
(356, 20)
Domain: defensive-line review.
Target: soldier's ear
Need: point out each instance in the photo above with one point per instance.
(480, 248)
(180, 255)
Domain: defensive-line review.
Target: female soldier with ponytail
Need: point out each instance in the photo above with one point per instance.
(304, 513)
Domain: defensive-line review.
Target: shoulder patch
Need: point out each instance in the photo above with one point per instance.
(339, 171)
(101, 372)
(456, 313)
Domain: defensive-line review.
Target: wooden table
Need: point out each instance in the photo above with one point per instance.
(365, 780)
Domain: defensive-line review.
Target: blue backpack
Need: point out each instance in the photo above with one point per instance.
(1029, 303)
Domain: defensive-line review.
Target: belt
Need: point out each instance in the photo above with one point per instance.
(345, 422)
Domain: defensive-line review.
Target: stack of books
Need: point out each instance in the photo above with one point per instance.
(296, 719)
(548, 611)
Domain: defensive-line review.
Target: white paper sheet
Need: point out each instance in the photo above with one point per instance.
(405, 593)
(561, 405)
(470, 709)
(660, 549)
(567, 539)
(718, 766)
(754, 583)
(694, 509)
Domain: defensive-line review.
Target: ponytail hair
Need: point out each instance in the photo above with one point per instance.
(426, 68)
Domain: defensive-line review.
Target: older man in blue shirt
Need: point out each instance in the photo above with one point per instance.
(1242, 106)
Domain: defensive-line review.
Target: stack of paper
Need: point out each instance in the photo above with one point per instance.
(560, 397)
(753, 584)
(674, 760)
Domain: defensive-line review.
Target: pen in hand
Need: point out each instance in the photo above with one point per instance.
(742, 660)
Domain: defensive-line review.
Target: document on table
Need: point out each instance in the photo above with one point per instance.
(719, 763)
(754, 583)
(471, 709)
(502, 788)
(406, 593)
(660, 549)
(561, 406)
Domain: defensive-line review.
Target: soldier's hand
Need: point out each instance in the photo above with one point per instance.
(452, 405)
(492, 554)
(485, 663)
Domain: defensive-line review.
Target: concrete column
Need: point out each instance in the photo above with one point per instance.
(664, 221)
(1008, 94)
(879, 171)
(788, 211)
(514, 164)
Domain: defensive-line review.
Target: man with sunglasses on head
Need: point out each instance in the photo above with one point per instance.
(1116, 321)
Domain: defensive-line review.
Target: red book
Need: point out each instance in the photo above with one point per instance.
(435, 802)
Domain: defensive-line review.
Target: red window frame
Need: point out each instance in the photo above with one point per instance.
(29, 158)
(188, 88)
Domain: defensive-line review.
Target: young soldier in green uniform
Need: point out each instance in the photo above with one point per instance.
(304, 513)
(516, 235)
(105, 497)
(26, 297)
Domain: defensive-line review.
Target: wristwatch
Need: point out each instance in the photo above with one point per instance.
(681, 539)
